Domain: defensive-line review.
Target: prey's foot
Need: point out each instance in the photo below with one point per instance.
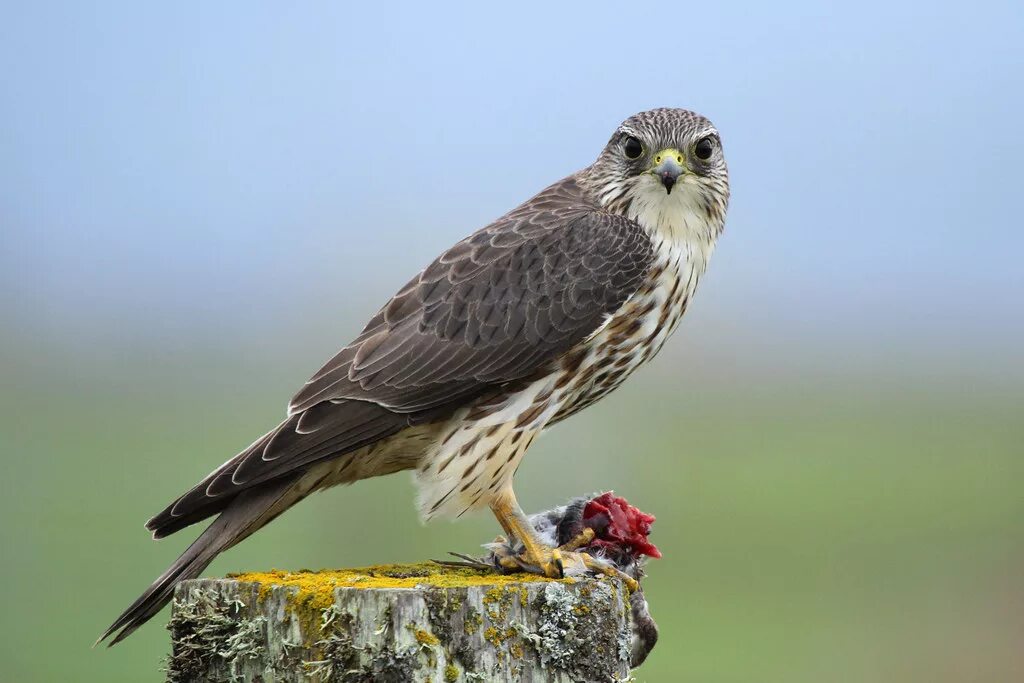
(557, 563)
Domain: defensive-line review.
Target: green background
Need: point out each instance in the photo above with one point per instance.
(811, 531)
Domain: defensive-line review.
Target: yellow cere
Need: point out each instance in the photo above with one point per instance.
(668, 153)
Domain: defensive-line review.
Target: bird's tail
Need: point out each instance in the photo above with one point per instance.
(246, 513)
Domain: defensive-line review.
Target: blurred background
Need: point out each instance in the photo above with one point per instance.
(200, 203)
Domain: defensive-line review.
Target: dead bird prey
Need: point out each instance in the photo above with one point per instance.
(604, 526)
(513, 329)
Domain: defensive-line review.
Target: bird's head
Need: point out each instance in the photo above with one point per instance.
(662, 162)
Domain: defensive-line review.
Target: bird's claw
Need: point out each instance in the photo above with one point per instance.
(560, 562)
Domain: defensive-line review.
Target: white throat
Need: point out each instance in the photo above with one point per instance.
(677, 221)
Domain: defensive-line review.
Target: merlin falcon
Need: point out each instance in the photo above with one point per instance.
(513, 329)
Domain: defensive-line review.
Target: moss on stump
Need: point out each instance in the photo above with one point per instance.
(399, 623)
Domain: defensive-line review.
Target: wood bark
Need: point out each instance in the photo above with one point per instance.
(455, 625)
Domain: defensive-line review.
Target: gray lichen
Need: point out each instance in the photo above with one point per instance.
(338, 656)
(570, 637)
(556, 638)
(203, 628)
(625, 643)
(389, 666)
(342, 661)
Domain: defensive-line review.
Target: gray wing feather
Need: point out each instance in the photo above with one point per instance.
(491, 309)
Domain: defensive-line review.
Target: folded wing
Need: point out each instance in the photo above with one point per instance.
(498, 306)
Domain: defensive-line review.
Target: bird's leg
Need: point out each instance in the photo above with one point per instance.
(539, 558)
(518, 528)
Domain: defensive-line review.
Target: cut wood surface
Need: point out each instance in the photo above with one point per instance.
(399, 623)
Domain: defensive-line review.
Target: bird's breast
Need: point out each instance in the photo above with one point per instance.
(636, 332)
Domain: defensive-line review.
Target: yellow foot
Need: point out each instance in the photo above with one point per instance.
(557, 563)
(538, 558)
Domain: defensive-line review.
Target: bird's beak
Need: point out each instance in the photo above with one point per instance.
(668, 166)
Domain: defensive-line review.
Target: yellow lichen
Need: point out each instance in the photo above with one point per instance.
(451, 673)
(310, 593)
(498, 600)
(493, 636)
(317, 588)
(472, 622)
(426, 637)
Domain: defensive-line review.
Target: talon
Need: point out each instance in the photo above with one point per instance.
(556, 560)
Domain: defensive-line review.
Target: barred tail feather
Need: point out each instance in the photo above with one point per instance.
(249, 511)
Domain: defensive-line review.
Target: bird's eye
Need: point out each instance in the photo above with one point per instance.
(704, 148)
(633, 148)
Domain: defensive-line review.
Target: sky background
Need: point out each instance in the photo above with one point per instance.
(200, 203)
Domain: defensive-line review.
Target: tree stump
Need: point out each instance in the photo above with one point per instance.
(399, 623)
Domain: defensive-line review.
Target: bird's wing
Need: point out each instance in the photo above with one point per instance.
(496, 307)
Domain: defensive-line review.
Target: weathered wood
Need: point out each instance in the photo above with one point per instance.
(400, 623)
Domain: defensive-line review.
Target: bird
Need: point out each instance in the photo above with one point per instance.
(508, 332)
